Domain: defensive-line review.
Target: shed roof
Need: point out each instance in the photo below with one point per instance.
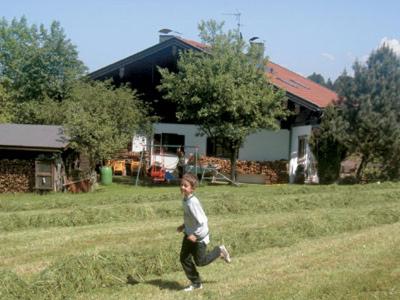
(32, 136)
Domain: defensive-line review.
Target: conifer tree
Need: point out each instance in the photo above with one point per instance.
(326, 146)
(370, 110)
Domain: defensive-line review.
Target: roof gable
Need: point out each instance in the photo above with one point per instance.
(173, 41)
(32, 136)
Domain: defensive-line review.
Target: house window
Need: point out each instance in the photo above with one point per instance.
(217, 147)
(170, 142)
(302, 147)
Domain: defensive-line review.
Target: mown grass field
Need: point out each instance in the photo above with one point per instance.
(287, 242)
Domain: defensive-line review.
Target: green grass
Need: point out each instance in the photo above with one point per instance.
(287, 242)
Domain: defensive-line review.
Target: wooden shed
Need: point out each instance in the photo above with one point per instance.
(32, 157)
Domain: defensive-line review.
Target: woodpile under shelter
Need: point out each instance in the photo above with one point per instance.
(31, 157)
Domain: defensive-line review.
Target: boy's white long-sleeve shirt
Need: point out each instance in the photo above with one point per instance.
(195, 220)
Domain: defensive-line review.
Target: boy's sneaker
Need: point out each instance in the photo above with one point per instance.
(193, 286)
(225, 254)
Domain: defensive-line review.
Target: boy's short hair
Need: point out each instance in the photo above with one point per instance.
(191, 178)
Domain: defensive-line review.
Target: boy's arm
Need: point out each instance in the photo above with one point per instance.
(191, 237)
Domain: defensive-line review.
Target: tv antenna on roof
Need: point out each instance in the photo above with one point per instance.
(237, 16)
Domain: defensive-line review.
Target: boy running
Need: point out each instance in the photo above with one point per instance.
(196, 235)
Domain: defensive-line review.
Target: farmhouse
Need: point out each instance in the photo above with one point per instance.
(305, 98)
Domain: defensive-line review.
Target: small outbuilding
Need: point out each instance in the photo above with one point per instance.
(32, 157)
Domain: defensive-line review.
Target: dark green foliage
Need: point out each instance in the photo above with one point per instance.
(329, 84)
(342, 83)
(6, 106)
(37, 70)
(101, 119)
(36, 63)
(318, 78)
(299, 174)
(327, 148)
(370, 109)
(224, 91)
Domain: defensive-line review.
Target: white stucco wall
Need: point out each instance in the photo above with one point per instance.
(263, 145)
(296, 132)
(266, 145)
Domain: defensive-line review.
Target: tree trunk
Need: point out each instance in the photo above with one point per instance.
(234, 154)
(360, 169)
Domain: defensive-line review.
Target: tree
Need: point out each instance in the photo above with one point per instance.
(329, 84)
(370, 109)
(342, 83)
(328, 150)
(317, 78)
(225, 90)
(5, 105)
(36, 63)
(101, 119)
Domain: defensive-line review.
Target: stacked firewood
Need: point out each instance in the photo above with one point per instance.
(274, 171)
(17, 175)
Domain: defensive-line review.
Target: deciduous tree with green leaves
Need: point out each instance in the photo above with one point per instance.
(224, 90)
(101, 119)
(5, 106)
(36, 63)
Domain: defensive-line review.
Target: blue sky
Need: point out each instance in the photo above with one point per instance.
(305, 36)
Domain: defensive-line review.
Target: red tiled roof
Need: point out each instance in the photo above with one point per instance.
(194, 43)
(291, 82)
(300, 86)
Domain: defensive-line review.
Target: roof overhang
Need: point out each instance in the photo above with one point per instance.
(38, 149)
(173, 41)
(302, 102)
(183, 44)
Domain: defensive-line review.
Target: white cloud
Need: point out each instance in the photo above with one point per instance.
(328, 56)
(393, 44)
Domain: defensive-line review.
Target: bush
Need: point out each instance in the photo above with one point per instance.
(299, 174)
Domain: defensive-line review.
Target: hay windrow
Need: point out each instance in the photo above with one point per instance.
(77, 274)
(83, 273)
(169, 206)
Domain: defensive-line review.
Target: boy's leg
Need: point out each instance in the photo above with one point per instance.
(187, 262)
(201, 258)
